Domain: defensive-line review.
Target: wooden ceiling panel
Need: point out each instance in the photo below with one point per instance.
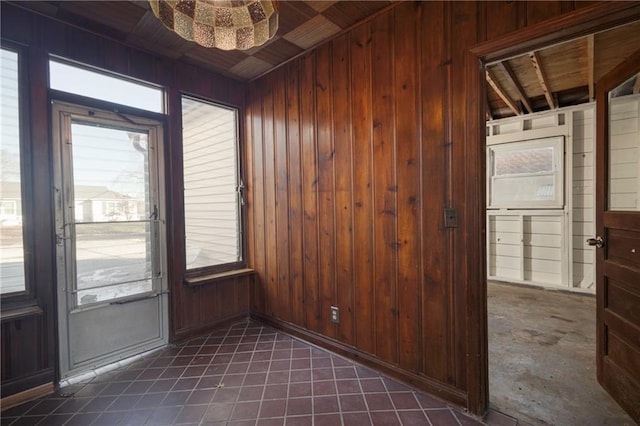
(125, 17)
(150, 33)
(215, 59)
(522, 67)
(566, 65)
(320, 5)
(278, 51)
(312, 32)
(500, 77)
(250, 68)
(614, 46)
(301, 25)
(292, 14)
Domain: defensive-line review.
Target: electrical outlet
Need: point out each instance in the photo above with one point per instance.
(335, 314)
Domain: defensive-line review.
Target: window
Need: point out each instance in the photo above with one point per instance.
(12, 262)
(80, 81)
(212, 186)
(527, 174)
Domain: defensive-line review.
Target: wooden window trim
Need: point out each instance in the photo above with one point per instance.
(214, 278)
(25, 298)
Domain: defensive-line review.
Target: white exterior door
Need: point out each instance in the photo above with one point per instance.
(112, 294)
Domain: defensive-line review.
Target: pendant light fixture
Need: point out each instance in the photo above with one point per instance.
(223, 24)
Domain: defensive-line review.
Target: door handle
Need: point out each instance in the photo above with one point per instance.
(60, 239)
(598, 242)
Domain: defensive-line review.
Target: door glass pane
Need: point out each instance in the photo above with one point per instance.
(12, 277)
(624, 147)
(113, 249)
(112, 260)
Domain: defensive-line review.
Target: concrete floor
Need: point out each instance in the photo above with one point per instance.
(542, 358)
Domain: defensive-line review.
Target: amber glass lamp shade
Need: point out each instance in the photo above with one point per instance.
(223, 24)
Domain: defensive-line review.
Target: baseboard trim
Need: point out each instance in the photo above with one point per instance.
(444, 392)
(26, 396)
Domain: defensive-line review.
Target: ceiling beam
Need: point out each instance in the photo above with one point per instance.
(503, 95)
(542, 78)
(513, 80)
(590, 70)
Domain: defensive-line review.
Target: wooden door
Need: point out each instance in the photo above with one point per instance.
(618, 234)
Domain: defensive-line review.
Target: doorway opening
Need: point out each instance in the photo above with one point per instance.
(540, 191)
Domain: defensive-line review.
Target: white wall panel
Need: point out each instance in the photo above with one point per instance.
(553, 250)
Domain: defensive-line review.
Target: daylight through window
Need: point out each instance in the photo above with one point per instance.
(211, 185)
(12, 275)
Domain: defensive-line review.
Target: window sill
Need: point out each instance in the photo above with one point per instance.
(217, 277)
(19, 313)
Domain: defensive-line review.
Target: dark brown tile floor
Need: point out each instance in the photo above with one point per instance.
(247, 374)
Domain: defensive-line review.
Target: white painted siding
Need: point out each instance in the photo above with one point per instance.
(527, 246)
(543, 254)
(624, 185)
(547, 247)
(505, 242)
(583, 198)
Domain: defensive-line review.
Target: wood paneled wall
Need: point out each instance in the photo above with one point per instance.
(354, 151)
(193, 309)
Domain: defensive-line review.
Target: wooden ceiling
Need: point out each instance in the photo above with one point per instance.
(557, 76)
(560, 75)
(302, 25)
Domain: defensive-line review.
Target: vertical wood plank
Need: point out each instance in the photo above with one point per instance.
(296, 263)
(343, 195)
(326, 202)
(309, 187)
(84, 48)
(281, 198)
(385, 189)
(465, 30)
(433, 253)
(21, 26)
(257, 208)
(271, 245)
(185, 77)
(542, 10)
(247, 154)
(362, 188)
(409, 185)
(184, 305)
(42, 198)
(115, 56)
(504, 17)
(141, 65)
(50, 33)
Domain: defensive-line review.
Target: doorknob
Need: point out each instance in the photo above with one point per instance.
(597, 241)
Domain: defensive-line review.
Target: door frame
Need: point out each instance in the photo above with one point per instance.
(588, 20)
(146, 119)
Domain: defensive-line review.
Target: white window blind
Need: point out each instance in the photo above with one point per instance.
(211, 201)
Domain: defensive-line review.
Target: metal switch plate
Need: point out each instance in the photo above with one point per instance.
(450, 218)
